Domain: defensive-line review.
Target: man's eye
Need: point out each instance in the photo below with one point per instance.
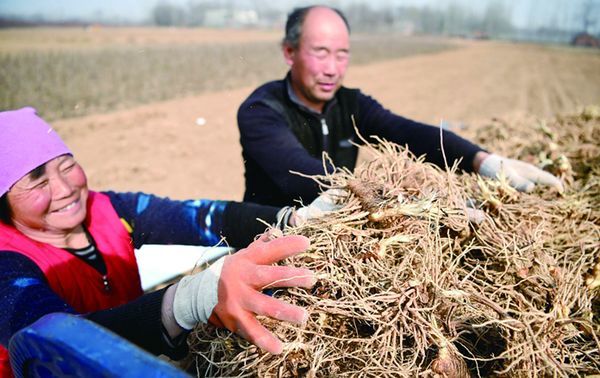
(342, 56)
(320, 54)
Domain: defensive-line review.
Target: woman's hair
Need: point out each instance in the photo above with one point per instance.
(5, 212)
(293, 25)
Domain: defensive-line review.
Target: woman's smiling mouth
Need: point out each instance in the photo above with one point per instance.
(67, 208)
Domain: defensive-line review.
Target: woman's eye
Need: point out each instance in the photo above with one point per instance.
(68, 168)
(40, 185)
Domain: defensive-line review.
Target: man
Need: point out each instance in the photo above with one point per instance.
(286, 125)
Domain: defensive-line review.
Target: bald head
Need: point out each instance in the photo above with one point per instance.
(295, 25)
(318, 55)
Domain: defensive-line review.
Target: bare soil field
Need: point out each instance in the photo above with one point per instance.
(160, 148)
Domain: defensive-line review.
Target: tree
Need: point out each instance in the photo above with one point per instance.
(165, 14)
(496, 19)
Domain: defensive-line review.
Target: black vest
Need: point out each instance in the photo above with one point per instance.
(308, 127)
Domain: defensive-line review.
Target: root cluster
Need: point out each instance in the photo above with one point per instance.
(410, 286)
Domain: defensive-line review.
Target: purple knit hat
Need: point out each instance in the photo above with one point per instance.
(26, 142)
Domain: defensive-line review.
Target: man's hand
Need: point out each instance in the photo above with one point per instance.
(522, 176)
(228, 294)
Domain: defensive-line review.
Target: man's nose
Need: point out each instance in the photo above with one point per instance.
(330, 66)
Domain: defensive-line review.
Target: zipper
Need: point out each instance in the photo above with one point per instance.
(325, 132)
(106, 283)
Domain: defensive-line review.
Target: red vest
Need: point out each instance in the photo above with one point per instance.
(77, 283)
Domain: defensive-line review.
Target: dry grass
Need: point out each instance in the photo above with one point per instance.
(408, 286)
(73, 72)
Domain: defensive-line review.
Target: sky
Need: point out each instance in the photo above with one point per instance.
(525, 13)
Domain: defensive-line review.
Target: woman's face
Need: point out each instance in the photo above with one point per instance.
(53, 202)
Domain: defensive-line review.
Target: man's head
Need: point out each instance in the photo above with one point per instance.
(317, 49)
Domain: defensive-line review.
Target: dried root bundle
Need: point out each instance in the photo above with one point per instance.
(409, 286)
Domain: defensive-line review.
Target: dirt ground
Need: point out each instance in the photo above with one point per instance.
(160, 148)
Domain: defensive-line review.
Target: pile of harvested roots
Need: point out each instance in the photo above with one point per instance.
(409, 285)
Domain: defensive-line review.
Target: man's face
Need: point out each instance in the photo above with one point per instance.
(319, 63)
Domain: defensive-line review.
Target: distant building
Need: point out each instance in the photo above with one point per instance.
(245, 17)
(216, 17)
(227, 17)
(585, 40)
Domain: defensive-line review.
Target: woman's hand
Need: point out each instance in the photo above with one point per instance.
(229, 293)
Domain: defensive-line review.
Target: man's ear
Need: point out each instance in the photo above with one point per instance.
(288, 53)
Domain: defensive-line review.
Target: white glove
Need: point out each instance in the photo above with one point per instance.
(323, 204)
(475, 216)
(522, 176)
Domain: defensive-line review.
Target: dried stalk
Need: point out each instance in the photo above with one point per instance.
(409, 287)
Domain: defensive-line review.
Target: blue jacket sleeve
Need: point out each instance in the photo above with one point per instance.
(159, 220)
(421, 139)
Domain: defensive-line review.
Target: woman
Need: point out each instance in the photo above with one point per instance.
(64, 248)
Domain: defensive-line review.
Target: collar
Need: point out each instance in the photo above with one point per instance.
(296, 100)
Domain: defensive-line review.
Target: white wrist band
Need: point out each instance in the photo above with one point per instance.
(197, 295)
